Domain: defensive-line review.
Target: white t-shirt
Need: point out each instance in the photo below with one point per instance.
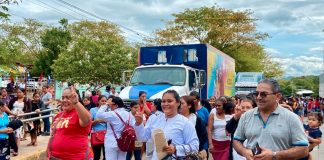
(193, 118)
(22, 85)
(18, 107)
(219, 127)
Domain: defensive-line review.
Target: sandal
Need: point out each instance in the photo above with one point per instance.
(35, 144)
(30, 144)
(15, 154)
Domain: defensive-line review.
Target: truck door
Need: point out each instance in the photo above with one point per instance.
(193, 81)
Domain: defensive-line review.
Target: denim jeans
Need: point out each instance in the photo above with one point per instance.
(46, 121)
(137, 155)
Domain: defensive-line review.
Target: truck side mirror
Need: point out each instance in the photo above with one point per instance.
(202, 78)
(126, 76)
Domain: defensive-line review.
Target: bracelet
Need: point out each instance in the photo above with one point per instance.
(274, 155)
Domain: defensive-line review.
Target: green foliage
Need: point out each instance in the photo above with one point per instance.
(234, 33)
(4, 9)
(290, 87)
(97, 53)
(20, 42)
(54, 41)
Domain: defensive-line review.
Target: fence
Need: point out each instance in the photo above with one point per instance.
(33, 113)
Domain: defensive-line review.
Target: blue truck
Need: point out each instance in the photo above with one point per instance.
(184, 68)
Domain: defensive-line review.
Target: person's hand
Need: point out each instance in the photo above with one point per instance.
(15, 114)
(138, 118)
(266, 154)
(74, 98)
(238, 112)
(99, 121)
(170, 149)
(212, 102)
(247, 153)
(211, 148)
(8, 130)
(37, 110)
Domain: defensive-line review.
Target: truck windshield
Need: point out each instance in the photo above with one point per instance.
(175, 76)
(246, 89)
(246, 78)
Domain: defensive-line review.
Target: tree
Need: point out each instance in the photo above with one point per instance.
(97, 53)
(234, 33)
(4, 9)
(289, 87)
(20, 42)
(53, 41)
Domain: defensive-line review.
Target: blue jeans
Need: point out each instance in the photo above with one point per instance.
(137, 155)
(46, 121)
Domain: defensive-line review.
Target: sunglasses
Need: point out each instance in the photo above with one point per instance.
(66, 97)
(262, 94)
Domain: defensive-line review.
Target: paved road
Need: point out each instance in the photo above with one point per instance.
(32, 152)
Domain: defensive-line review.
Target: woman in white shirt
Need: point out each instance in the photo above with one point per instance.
(19, 105)
(218, 138)
(188, 110)
(112, 152)
(177, 129)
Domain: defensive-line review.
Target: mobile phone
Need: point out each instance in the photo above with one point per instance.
(169, 141)
(256, 149)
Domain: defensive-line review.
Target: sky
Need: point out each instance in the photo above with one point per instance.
(296, 27)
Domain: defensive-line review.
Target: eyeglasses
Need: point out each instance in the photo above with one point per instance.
(262, 94)
(67, 97)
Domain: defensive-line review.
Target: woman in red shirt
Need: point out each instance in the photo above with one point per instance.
(70, 130)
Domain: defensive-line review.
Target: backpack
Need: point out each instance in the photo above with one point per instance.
(126, 141)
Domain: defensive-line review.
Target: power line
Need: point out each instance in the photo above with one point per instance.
(71, 9)
(93, 15)
(53, 8)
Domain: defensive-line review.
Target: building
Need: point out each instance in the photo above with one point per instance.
(321, 85)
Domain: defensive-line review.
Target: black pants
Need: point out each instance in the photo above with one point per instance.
(12, 142)
(97, 152)
(4, 149)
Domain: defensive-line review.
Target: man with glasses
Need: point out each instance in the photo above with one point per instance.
(277, 131)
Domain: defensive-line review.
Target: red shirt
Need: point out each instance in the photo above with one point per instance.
(149, 106)
(70, 140)
(317, 103)
(310, 105)
(95, 99)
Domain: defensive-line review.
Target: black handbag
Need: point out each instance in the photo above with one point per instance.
(191, 155)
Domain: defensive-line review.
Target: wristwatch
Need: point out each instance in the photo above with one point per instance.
(274, 155)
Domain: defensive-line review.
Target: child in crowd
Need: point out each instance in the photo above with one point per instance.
(314, 133)
(134, 107)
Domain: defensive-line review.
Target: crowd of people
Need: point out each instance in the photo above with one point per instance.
(261, 125)
(17, 103)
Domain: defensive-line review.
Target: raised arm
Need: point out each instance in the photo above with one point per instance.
(143, 133)
(102, 114)
(84, 115)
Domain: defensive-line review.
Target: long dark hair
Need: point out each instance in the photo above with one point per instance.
(157, 102)
(174, 93)
(118, 101)
(190, 101)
